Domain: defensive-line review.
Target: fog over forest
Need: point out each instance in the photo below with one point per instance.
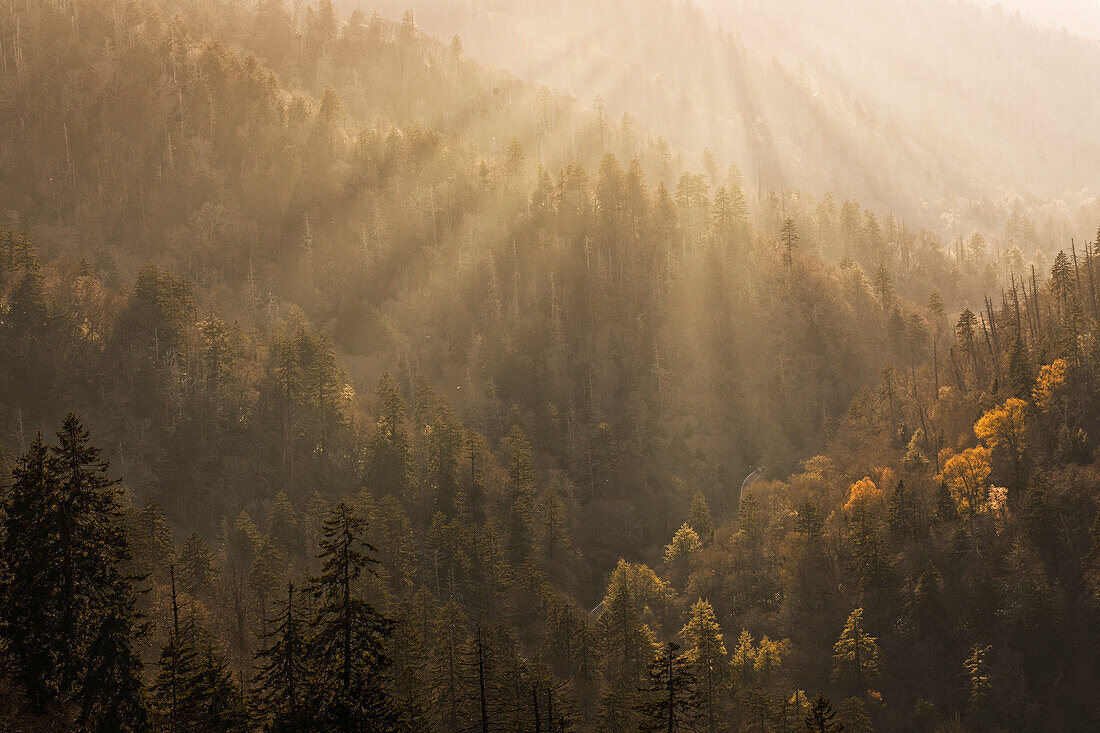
(512, 366)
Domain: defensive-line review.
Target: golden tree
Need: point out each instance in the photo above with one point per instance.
(1005, 426)
(965, 476)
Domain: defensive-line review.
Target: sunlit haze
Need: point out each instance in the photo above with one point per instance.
(549, 366)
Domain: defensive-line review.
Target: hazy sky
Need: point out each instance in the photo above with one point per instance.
(1078, 16)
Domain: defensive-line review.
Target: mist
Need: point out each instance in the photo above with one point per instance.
(511, 366)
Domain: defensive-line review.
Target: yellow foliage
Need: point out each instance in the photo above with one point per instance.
(1004, 425)
(684, 542)
(965, 476)
(863, 491)
(1050, 386)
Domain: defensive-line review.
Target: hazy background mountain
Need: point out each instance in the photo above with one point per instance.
(929, 109)
(1075, 16)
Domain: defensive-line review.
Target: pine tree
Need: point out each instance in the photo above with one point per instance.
(979, 684)
(218, 703)
(901, 516)
(670, 699)
(809, 523)
(112, 696)
(172, 686)
(870, 556)
(699, 517)
(152, 540)
(70, 616)
(282, 526)
(946, 511)
(451, 688)
(855, 654)
(265, 576)
(196, 565)
(789, 237)
(709, 663)
(928, 609)
(854, 717)
(627, 645)
(31, 629)
(388, 465)
(820, 717)
(346, 649)
(282, 674)
(1020, 378)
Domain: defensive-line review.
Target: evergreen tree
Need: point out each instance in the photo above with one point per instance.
(627, 645)
(670, 699)
(196, 565)
(388, 465)
(855, 654)
(218, 703)
(788, 236)
(152, 540)
(946, 510)
(176, 668)
(31, 625)
(810, 522)
(709, 663)
(1020, 378)
(346, 648)
(69, 611)
(901, 516)
(282, 675)
(282, 526)
(699, 517)
(854, 717)
(112, 697)
(820, 718)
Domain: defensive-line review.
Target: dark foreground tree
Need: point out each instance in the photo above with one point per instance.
(820, 718)
(282, 673)
(69, 613)
(670, 699)
(346, 649)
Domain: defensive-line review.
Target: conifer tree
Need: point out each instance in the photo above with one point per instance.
(789, 238)
(152, 540)
(670, 699)
(855, 654)
(946, 511)
(627, 646)
(31, 625)
(282, 675)
(820, 718)
(282, 526)
(69, 612)
(699, 517)
(854, 717)
(112, 696)
(901, 515)
(388, 451)
(196, 565)
(346, 648)
(709, 663)
(172, 686)
(219, 706)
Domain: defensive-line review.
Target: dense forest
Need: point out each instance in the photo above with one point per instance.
(347, 383)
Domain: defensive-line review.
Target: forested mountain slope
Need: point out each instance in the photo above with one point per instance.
(935, 110)
(312, 280)
(421, 255)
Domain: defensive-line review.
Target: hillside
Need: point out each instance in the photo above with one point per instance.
(362, 370)
(927, 109)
